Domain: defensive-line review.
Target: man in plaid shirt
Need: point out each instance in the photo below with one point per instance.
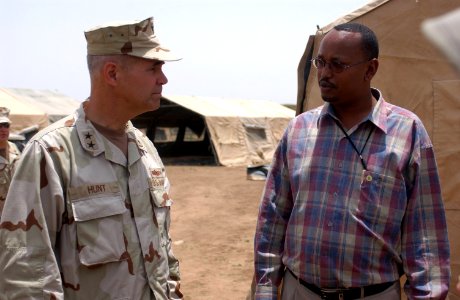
(353, 200)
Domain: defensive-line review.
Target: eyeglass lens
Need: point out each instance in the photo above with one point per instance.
(4, 125)
(334, 65)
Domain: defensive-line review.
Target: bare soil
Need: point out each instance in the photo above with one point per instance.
(213, 222)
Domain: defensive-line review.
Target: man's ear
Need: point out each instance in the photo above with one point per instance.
(109, 72)
(371, 69)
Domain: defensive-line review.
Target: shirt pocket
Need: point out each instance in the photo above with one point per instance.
(99, 226)
(382, 202)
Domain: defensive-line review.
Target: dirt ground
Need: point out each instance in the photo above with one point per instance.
(213, 223)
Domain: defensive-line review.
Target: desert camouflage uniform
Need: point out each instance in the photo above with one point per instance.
(84, 222)
(7, 167)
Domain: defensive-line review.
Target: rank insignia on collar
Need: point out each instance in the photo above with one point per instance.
(90, 142)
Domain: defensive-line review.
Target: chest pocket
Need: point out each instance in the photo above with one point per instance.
(382, 202)
(99, 226)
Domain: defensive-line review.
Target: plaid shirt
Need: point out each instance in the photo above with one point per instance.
(334, 224)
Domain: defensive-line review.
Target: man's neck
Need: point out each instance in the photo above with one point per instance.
(350, 115)
(116, 137)
(110, 119)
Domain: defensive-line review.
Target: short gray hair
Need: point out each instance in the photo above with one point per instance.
(95, 62)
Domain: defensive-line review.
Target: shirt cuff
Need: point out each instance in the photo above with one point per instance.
(264, 292)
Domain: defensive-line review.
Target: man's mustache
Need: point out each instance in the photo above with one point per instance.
(326, 83)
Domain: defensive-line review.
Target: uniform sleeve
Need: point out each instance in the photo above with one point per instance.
(174, 275)
(28, 229)
(274, 212)
(173, 262)
(425, 245)
(17, 155)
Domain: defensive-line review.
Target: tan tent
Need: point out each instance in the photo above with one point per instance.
(22, 115)
(240, 132)
(54, 104)
(414, 75)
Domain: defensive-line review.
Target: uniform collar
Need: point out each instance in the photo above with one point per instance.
(91, 140)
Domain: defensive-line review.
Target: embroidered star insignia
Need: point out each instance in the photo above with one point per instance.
(88, 136)
(91, 144)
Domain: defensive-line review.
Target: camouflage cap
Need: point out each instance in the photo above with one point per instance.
(136, 38)
(4, 114)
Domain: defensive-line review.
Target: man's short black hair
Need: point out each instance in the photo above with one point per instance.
(369, 39)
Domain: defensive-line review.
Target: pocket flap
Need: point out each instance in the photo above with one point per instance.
(98, 207)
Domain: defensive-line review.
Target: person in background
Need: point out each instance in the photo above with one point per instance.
(88, 212)
(9, 155)
(443, 32)
(353, 199)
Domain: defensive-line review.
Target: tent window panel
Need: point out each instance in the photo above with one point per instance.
(165, 134)
(191, 136)
(256, 134)
(260, 148)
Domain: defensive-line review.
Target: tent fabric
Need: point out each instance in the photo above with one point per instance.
(22, 115)
(446, 133)
(412, 74)
(54, 104)
(213, 106)
(243, 132)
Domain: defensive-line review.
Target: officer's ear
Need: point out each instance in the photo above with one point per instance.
(109, 72)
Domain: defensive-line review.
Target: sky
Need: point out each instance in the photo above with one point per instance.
(246, 49)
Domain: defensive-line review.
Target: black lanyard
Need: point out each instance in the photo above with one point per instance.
(353, 144)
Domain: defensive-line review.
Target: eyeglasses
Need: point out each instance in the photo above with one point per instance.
(335, 66)
(4, 125)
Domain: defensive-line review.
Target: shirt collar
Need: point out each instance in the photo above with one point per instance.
(377, 116)
(379, 113)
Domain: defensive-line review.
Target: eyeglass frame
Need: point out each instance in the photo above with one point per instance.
(336, 71)
(5, 125)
